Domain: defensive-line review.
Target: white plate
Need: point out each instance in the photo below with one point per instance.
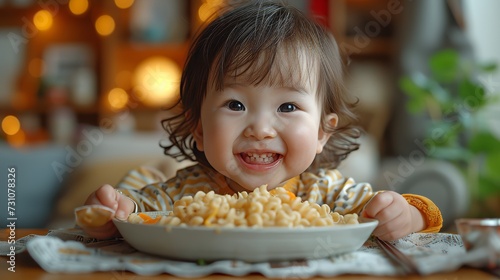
(247, 244)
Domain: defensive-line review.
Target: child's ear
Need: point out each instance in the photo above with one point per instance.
(198, 136)
(323, 137)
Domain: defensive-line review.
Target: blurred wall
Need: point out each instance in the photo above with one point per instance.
(483, 22)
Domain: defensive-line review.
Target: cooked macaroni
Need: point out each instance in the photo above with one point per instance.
(259, 208)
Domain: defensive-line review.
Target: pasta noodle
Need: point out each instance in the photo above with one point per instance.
(259, 208)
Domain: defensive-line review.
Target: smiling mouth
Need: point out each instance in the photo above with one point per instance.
(264, 158)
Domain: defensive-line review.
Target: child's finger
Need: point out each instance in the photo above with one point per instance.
(107, 196)
(393, 229)
(125, 206)
(377, 204)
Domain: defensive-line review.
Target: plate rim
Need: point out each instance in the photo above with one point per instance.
(363, 222)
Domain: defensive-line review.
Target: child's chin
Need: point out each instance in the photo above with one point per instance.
(252, 187)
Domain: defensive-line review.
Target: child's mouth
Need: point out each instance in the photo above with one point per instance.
(263, 158)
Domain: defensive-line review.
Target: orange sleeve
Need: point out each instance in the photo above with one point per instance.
(429, 210)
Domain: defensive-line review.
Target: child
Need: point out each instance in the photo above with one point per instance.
(263, 103)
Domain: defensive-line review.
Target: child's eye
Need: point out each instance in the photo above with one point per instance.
(287, 107)
(235, 105)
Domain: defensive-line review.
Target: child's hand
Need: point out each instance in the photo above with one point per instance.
(109, 197)
(396, 217)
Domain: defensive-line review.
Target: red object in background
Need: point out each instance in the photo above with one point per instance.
(319, 11)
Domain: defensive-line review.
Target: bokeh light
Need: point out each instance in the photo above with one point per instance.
(208, 8)
(43, 20)
(117, 98)
(105, 25)
(124, 4)
(11, 125)
(78, 7)
(156, 81)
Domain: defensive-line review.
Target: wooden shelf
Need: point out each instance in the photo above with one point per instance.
(11, 16)
(352, 22)
(137, 51)
(45, 109)
(372, 47)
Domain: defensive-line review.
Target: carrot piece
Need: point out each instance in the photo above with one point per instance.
(145, 217)
(152, 221)
(291, 195)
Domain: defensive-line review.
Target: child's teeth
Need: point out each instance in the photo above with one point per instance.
(262, 158)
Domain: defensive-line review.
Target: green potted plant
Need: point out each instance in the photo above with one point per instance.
(455, 102)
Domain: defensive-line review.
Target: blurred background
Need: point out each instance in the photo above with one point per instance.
(84, 84)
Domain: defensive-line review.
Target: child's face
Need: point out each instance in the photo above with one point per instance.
(257, 135)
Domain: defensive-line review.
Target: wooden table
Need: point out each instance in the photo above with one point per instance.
(27, 268)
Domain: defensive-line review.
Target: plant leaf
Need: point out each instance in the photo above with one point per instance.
(488, 187)
(416, 95)
(415, 105)
(411, 88)
(444, 65)
(484, 142)
(492, 163)
(444, 133)
(472, 94)
(488, 67)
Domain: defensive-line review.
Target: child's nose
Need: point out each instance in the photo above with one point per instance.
(260, 128)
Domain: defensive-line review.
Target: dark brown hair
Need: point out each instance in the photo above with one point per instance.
(252, 40)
